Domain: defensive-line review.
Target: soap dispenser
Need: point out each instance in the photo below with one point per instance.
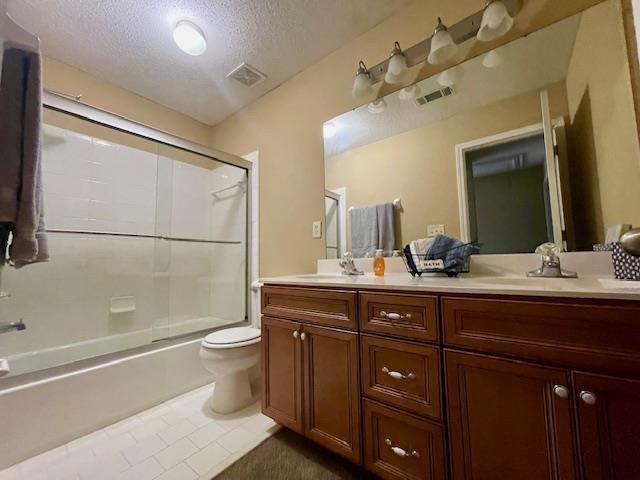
(378, 263)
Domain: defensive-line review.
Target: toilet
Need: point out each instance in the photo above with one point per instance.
(229, 354)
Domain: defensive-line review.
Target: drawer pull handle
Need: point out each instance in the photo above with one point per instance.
(399, 451)
(398, 375)
(588, 397)
(296, 334)
(560, 391)
(303, 336)
(395, 316)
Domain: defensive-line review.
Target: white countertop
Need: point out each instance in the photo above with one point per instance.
(585, 287)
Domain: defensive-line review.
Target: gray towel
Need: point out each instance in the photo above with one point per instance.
(364, 231)
(386, 230)
(21, 202)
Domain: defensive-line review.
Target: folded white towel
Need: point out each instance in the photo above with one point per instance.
(419, 249)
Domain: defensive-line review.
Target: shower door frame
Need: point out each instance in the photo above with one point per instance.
(66, 105)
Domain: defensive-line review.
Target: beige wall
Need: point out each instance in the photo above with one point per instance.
(603, 145)
(286, 124)
(99, 93)
(419, 166)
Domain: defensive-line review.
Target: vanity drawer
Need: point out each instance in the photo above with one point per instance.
(334, 308)
(596, 335)
(409, 316)
(402, 446)
(403, 374)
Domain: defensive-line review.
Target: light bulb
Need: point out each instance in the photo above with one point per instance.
(492, 59)
(396, 70)
(409, 93)
(496, 21)
(189, 38)
(362, 84)
(443, 48)
(449, 77)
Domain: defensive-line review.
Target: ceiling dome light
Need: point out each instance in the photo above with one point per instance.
(377, 106)
(443, 47)
(329, 130)
(409, 93)
(492, 59)
(496, 21)
(362, 85)
(397, 66)
(449, 77)
(189, 38)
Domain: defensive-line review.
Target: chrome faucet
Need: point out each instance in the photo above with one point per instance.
(550, 263)
(348, 265)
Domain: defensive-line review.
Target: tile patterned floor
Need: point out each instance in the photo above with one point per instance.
(180, 439)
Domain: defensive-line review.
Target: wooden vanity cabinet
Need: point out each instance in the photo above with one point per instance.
(508, 419)
(507, 387)
(311, 383)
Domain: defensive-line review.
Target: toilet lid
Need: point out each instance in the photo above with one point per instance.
(229, 336)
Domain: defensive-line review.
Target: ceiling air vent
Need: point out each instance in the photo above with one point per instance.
(433, 96)
(246, 75)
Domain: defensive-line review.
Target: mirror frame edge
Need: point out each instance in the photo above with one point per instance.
(632, 40)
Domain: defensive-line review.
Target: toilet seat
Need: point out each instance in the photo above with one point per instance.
(235, 337)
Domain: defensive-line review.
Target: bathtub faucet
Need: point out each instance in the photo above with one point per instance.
(11, 326)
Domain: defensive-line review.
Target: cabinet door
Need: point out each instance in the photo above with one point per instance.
(282, 372)
(508, 419)
(609, 426)
(332, 392)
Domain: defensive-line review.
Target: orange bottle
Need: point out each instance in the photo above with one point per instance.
(378, 263)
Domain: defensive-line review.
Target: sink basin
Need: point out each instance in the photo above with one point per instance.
(330, 276)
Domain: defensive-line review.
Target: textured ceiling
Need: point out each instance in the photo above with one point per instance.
(129, 43)
(529, 63)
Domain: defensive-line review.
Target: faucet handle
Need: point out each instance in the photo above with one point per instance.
(549, 250)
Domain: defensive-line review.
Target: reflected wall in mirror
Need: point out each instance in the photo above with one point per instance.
(533, 142)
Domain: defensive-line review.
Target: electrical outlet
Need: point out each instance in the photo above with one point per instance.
(433, 230)
(317, 229)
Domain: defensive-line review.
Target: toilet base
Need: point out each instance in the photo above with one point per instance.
(231, 393)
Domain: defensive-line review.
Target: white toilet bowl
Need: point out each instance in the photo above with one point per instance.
(228, 354)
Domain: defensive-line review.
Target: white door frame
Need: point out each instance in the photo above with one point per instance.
(340, 194)
(463, 148)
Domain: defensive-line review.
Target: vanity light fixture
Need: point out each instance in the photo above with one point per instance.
(409, 93)
(449, 77)
(397, 65)
(492, 59)
(443, 48)
(329, 130)
(362, 84)
(377, 106)
(189, 38)
(496, 21)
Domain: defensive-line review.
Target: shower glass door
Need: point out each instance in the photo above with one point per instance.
(147, 242)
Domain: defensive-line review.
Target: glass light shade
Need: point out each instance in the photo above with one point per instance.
(329, 130)
(189, 38)
(449, 77)
(492, 59)
(362, 85)
(377, 106)
(496, 22)
(443, 48)
(409, 93)
(396, 69)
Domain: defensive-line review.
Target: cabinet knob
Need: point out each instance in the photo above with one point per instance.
(303, 336)
(398, 375)
(296, 334)
(394, 316)
(588, 397)
(400, 451)
(560, 391)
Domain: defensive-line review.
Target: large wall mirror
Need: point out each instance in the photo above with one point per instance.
(533, 142)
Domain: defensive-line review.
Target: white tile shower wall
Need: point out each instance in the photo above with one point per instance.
(91, 184)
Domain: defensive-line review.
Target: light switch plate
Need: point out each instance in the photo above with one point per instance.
(317, 229)
(433, 230)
